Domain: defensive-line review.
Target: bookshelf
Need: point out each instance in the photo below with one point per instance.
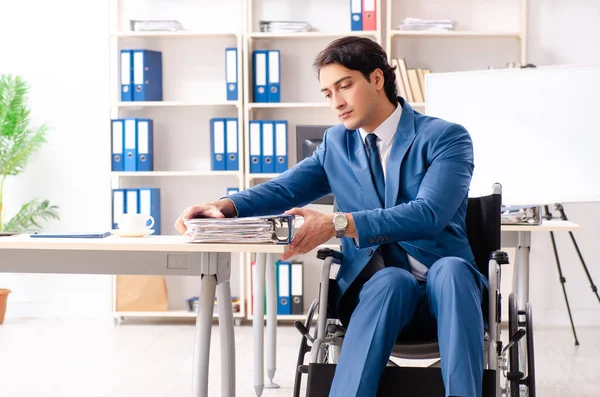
(193, 93)
(487, 34)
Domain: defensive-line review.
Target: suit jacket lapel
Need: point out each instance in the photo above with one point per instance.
(360, 166)
(405, 135)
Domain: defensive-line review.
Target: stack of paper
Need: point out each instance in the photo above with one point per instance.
(284, 26)
(426, 24)
(154, 25)
(276, 229)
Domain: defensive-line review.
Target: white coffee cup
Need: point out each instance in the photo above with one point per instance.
(135, 222)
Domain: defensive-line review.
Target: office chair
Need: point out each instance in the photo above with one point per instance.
(505, 374)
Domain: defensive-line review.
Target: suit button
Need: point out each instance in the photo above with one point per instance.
(369, 251)
(371, 241)
(387, 238)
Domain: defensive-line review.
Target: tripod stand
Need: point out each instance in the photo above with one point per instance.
(563, 216)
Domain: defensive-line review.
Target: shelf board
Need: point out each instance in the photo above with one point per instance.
(283, 105)
(174, 173)
(166, 314)
(309, 35)
(454, 33)
(288, 317)
(134, 104)
(174, 34)
(261, 176)
(417, 104)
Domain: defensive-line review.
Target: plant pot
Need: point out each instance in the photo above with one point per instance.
(3, 299)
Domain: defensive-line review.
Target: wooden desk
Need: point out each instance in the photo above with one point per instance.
(519, 236)
(153, 255)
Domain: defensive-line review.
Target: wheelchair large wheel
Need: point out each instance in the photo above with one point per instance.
(304, 348)
(513, 351)
(530, 358)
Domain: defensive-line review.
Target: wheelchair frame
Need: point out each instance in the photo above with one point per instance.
(513, 375)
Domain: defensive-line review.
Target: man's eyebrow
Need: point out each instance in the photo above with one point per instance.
(337, 82)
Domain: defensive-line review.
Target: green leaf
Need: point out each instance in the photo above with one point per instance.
(31, 215)
(18, 142)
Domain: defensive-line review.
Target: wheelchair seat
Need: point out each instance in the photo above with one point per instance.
(502, 375)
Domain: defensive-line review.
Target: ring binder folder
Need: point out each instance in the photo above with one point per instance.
(275, 229)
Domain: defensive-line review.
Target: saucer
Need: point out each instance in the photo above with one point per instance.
(132, 233)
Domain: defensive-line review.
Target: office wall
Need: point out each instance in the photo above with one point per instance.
(62, 50)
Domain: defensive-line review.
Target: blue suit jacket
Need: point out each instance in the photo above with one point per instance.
(427, 181)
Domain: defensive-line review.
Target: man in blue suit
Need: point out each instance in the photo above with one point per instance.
(401, 182)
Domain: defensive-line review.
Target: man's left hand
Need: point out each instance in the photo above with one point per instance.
(316, 230)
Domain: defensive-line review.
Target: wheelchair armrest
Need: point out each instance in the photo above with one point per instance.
(325, 253)
(499, 256)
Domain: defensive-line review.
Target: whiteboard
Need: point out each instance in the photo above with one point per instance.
(535, 131)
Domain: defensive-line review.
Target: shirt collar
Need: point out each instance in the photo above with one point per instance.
(386, 130)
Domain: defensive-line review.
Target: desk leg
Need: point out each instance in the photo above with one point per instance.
(203, 330)
(521, 269)
(271, 286)
(227, 339)
(258, 322)
(521, 287)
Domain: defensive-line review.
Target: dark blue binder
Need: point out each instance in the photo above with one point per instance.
(126, 76)
(145, 144)
(117, 131)
(231, 73)
(147, 75)
(261, 68)
(70, 235)
(231, 130)
(255, 146)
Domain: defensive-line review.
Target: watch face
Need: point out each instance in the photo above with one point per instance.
(340, 221)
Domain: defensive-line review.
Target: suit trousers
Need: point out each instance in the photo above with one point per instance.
(392, 304)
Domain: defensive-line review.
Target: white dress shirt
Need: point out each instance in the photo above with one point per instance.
(385, 136)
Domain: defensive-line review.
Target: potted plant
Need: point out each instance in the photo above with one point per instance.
(18, 142)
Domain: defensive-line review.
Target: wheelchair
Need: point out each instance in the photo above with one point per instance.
(509, 369)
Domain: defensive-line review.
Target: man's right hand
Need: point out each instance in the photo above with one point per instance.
(217, 209)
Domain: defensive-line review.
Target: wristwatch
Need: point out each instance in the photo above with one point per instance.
(340, 224)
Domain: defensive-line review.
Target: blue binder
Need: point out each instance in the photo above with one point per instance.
(132, 201)
(118, 205)
(231, 129)
(268, 147)
(218, 144)
(261, 67)
(255, 147)
(145, 145)
(117, 133)
(281, 146)
(149, 204)
(356, 15)
(130, 145)
(126, 76)
(284, 304)
(147, 75)
(231, 73)
(274, 70)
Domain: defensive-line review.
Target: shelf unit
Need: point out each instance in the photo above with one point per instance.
(393, 35)
(160, 104)
(211, 105)
(298, 104)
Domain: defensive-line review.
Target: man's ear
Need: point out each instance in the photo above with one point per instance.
(377, 78)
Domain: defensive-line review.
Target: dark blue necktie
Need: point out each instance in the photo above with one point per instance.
(376, 167)
(393, 254)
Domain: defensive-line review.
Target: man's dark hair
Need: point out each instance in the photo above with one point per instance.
(362, 54)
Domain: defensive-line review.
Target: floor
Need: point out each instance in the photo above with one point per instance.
(94, 358)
